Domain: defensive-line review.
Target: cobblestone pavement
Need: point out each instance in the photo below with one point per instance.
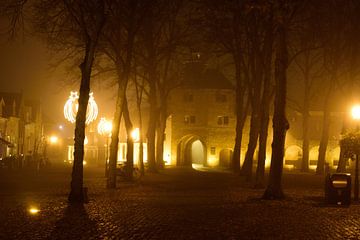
(175, 204)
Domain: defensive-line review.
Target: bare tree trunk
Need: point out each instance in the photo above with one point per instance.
(306, 137)
(130, 143)
(265, 103)
(263, 133)
(246, 169)
(141, 156)
(241, 112)
(342, 162)
(260, 170)
(111, 183)
(280, 123)
(151, 133)
(123, 79)
(76, 194)
(324, 136)
(141, 139)
(160, 138)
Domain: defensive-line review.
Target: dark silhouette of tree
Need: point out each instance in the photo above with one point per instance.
(306, 45)
(162, 34)
(335, 21)
(260, 51)
(267, 93)
(68, 23)
(223, 27)
(90, 19)
(283, 11)
(119, 42)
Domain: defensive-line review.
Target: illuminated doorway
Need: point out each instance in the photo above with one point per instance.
(191, 150)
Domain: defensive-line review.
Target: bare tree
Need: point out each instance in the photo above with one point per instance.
(68, 25)
(223, 25)
(280, 124)
(118, 45)
(162, 33)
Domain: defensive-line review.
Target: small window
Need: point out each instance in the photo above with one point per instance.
(188, 97)
(213, 150)
(189, 119)
(220, 120)
(223, 120)
(221, 97)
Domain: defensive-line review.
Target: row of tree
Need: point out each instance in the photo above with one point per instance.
(143, 43)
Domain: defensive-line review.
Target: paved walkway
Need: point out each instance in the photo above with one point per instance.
(175, 204)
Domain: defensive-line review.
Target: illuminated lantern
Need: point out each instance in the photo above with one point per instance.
(71, 107)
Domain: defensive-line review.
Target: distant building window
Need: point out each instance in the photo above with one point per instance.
(189, 119)
(221, 97)
(188, 97)
(213, 150)
(223, 120)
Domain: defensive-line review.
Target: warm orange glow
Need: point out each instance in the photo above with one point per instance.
(34, 210)
(135, 134)
(355, 112)
(53, 139)
(104, 127)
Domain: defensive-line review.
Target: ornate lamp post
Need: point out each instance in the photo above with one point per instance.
(104, 129)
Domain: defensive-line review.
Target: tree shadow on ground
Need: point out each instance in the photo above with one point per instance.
(75, 224)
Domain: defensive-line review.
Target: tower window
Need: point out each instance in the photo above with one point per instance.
(189, 119)
(223, 120)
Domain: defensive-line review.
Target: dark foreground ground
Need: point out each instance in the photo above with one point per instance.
(175, 204)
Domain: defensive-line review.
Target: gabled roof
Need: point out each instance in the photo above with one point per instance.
(10, 104)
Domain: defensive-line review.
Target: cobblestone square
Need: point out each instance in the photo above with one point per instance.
(174, 204)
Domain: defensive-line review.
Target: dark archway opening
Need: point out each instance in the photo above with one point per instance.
(225, 157)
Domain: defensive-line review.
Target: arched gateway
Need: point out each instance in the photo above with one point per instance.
(191, 150)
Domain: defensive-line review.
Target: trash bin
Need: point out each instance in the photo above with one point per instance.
(338, 188)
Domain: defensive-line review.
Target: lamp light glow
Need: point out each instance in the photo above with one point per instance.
(135, 134)
(355, 112)
(34, 210)
(53, 139)
(104, 127)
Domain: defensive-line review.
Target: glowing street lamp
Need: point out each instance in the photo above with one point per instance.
(71, 107)
(135, 134)
(104, 129)
(53, 139)
(355, 113)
